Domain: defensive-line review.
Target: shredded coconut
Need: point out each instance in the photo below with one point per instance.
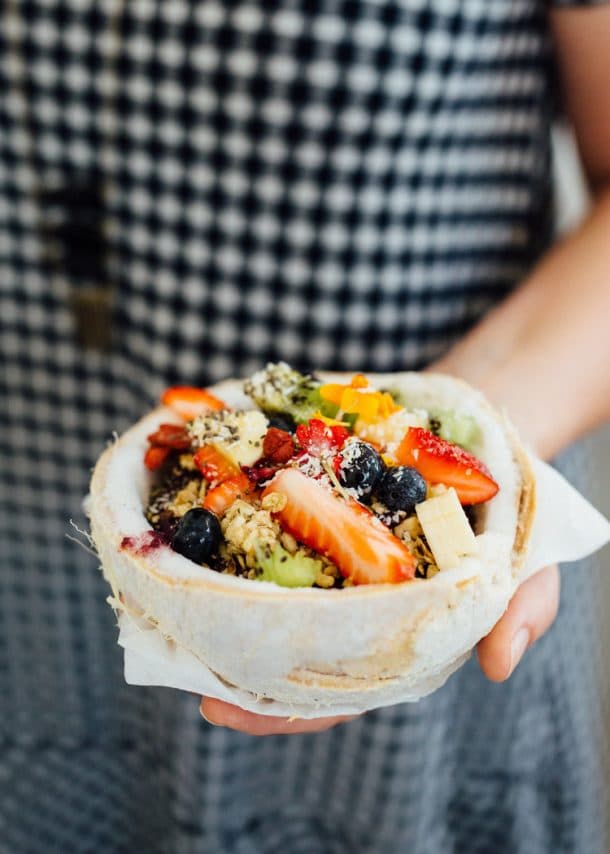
(389, 432)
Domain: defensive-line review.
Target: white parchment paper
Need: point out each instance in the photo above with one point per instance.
(566, 528)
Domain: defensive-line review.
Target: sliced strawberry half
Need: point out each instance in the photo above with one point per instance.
(220, 498)
(214, 465)
(188, 401)
(320, 439)
(440, 461)
(362, 547)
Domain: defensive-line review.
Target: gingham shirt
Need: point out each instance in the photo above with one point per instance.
(342, 183)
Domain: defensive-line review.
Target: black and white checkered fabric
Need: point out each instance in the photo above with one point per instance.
(342, 183)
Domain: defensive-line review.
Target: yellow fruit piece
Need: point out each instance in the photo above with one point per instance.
(330, 422)
(358, 398)
(359, 381)
(365, 404)
(243, 444)
(332, 392)
(387, 406)
(446, 528)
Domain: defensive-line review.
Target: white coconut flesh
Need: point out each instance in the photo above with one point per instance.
(312, 648)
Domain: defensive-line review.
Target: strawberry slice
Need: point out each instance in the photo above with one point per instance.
(155, 456)
(188, 402)
(220, 498)
(171, 436)
(214, 465)
(352, 537)
(320, 439)
(440, 461)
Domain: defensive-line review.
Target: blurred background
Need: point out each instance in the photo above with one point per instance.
(59, 135)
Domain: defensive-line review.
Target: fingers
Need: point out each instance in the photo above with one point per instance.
(224, 714)
(530, 613)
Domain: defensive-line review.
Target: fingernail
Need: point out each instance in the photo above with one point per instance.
(206, 718)
(518, 646)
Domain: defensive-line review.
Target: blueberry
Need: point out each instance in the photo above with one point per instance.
(361, 467)
(401, 488)
(282, 421)
(197, 535)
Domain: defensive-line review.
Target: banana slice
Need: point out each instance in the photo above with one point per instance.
(446, 527)
(237, 435)
(246, 445)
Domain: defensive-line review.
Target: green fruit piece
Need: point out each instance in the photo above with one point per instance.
(279, 389)
(287, 570)
(455, 427)
(306, 403)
